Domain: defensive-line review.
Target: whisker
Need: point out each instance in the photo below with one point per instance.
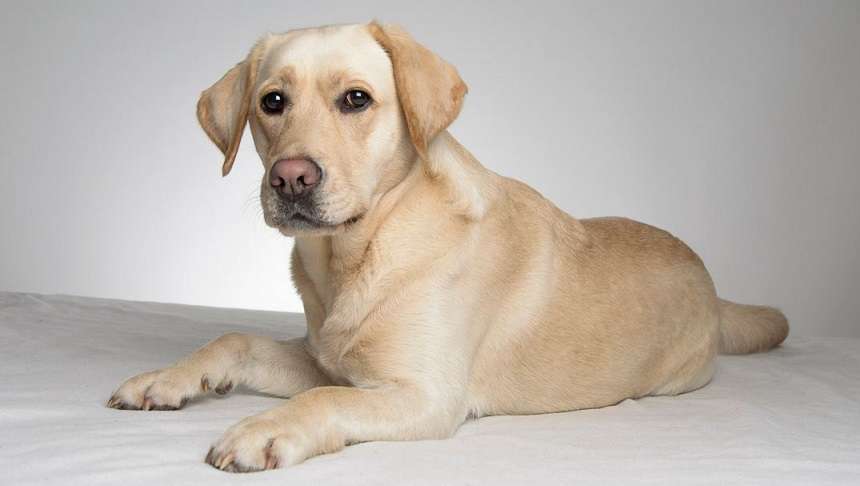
(253, 201)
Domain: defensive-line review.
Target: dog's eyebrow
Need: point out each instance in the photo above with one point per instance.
(345, 79)
(287, 74)
(336, 78)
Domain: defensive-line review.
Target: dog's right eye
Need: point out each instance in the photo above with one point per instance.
(273, 103)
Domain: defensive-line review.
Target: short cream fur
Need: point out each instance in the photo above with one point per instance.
(438, 290)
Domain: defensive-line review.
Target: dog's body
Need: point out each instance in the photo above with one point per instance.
(434, 289)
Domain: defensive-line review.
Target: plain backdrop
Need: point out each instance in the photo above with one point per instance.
(734, 125)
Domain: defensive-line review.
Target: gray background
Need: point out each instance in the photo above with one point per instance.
(732, 124)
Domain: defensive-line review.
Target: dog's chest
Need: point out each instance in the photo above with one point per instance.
(352, 287)
(340, 354)
(337, 341)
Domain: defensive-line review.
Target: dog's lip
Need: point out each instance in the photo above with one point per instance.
(298, 220)
(318, 223)
(352, 220)
(297, 216)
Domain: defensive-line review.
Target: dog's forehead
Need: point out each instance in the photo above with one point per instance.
(327, 51)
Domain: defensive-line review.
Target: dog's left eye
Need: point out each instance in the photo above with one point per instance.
(355, 100)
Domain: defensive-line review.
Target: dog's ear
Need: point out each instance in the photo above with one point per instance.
(223, 108)
(429, 89)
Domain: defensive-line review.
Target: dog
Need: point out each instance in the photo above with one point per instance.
(434, 289)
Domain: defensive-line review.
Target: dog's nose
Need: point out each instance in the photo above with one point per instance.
(294, 177)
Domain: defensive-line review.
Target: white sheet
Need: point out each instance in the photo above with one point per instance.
(791, 416)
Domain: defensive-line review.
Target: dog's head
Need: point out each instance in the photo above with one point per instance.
(338, 115)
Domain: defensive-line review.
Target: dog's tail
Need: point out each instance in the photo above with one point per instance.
(750, 328)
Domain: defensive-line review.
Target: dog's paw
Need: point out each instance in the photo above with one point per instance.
(255, 444)
(166, 389)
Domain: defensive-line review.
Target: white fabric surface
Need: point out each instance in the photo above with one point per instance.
(791, 416)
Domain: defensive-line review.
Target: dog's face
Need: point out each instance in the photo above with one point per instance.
(334, 117)
(325, 108)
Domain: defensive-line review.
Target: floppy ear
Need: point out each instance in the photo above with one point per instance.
(223, 108)
(429, 89)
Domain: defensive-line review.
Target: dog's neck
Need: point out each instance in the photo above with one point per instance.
(468, 193)
(349, 247)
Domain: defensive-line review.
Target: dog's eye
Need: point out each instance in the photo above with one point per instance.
(356, 100)
(272, 103)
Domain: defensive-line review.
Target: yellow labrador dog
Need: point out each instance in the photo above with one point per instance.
(434, 289)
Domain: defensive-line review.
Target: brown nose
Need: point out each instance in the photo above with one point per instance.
(294, 177)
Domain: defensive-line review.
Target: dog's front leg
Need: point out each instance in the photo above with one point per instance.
(328, 418)
(278, 367)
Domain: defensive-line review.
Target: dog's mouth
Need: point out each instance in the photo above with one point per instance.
(302, 216)
(299, 220)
